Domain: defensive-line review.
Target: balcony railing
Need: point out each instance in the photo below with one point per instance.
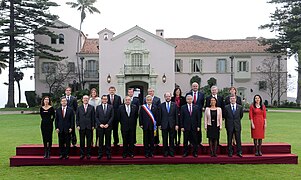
(137, 70)
(91, 74)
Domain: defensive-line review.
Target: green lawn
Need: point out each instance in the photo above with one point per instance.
(25, 129)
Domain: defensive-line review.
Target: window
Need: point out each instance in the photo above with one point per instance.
(262, 85)
(71, 67)
(48, 67)
(106, 37)
(221, 65)
(178, 65)
(61, 39)
(242, 66)
(91, 65)
(136, 59)
(53, 40)
(196, 65)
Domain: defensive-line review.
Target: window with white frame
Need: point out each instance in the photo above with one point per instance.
(242, 66)
(178, 65)
(195, 65)
(91, 65)
(61, 39)
(221, 65)
(48, 67)
(136, 59)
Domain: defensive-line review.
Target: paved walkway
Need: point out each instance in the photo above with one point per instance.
(16, 112)
(284, 110)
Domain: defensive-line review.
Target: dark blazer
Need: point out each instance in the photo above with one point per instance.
(238, 100)
(168, 119)
(85, 120)
(64, 124)
(233, 121)
(135, 101)
(116, 103)
(190, 123)
(102, 118)
(182, 101)
(128, 122)
(156, 101)
(220, 101)
(145, 120)
(200, 101)
(72, 102)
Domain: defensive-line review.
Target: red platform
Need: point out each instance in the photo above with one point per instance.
(273, 153)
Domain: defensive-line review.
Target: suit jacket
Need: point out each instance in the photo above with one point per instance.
(182, 101)
(85, 120)
(200, 100)
(116, 103)
(168, 119)
(145, 120)
(102, 118)
(220, 101)
(128, 122)
(72, 103)
(233, 121)
(135, 101)
(238, 100)
(64, 124)
(190, 123)
(219, 119)
(156, 101)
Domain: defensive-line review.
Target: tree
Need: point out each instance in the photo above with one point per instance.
(19, 20)
(196, 79)
(3, 65)
(268, 78)
(18, 76)
(286, 21)
(83, 6)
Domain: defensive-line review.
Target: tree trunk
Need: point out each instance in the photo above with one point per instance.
(11, 93)
(78, 50)
(298, 101)
(19, 88)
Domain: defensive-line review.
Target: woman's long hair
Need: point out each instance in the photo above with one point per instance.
(260, 103)
(42, 101)
(175, 90)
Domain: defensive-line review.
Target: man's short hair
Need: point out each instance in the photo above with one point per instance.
(104, 96)
(213, 87)
(148, 96)
(112, 87)
(64, 97)
(189, 95)
(68, 88)
(85, 96)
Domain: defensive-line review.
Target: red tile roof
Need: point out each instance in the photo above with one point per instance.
(191, 45)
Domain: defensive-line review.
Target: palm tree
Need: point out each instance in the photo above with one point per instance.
(83, 6)
(18, 76)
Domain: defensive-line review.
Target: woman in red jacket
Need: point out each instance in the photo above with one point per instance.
(257, 115)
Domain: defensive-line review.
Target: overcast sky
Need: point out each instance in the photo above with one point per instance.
(215, 19)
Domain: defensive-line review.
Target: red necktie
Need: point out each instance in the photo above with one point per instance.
(85, 108)
(63, 112)
(194, 98)
(190, 110)
(112, 99)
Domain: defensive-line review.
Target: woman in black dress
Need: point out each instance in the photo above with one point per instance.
(180, 101)
(47, 114)
(213, 125)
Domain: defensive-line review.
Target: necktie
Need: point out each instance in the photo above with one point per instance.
(168, 107)
(85, 108)
(105, 109)
(63, 112)
(233, 109)
(194, 98)
(190, 110)
(112, 99)
(128, 110)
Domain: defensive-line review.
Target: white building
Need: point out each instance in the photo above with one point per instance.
(140, 59)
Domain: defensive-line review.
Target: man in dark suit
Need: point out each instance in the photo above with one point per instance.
(198, 98)
(168, 123)
(190, 125)
(85, 122)
(115, 101)
(148, 122)
(71, 102)
(64, 121)
(233, 116)
(104, 121)
(233, 91)
(128, 114)
(220, 99)
(155, 101)
(135, 101)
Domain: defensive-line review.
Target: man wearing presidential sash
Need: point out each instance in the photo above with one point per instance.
(147, 121)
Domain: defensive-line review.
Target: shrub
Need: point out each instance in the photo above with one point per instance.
(22, 105)
(31, 98)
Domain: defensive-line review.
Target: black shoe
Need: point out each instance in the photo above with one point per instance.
(239, 155)
(185, 154)
(99, 157)
(88, 156)
(195, 155)
(67, 157)
(151, 155)
(146, 156)
(259, 153)
(74, 145)
(82, 157)
(165, 154)
(256, 153)
(124, 156)
(109, 157)
(230, 155)
(171, 154)
(214, 155)
(132, 156)
(116, 145)
(61, 157)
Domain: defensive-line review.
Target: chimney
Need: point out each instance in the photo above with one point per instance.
(160, 33)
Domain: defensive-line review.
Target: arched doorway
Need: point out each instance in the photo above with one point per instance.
(140, 89)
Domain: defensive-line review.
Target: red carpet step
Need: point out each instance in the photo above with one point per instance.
(273, 153)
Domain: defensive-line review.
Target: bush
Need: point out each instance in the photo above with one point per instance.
(31, 98)
(22, 105)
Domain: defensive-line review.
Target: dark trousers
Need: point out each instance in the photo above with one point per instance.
(115, 131)
(96, 137)
(177, 137)
(83, 135)
(64, 143)
(156, 138)
(73, 137)
(168, 135)
(199, 137)
(104, 134)
(230, 133)
(190, 136)
(135, 134)
(148, 141)
(128, 142)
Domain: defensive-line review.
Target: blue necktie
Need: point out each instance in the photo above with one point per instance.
(168, 108)
(233, 109)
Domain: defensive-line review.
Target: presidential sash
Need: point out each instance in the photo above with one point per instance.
(150, 114)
